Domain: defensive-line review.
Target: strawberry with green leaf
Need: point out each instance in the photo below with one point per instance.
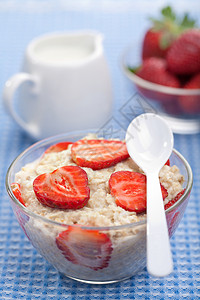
(163, 32)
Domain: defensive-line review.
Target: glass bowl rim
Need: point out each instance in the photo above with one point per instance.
(59, 137)
(150, 85)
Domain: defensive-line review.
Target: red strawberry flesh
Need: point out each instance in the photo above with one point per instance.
(98, 154)
(167, 162)
(129, 190)
(16, 189)
(58, 147)
(173, 201)
(88, 248)
(66, 188)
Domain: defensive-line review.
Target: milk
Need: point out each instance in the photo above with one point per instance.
(65, 51)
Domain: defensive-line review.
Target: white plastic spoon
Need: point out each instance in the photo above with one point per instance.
(149, 142)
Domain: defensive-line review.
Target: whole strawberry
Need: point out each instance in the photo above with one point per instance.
(163, 32)
(154, 69)
(152, 45)
(184, 55)
(191, 103)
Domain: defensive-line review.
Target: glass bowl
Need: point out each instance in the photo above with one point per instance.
(174, 104)
(124, 252)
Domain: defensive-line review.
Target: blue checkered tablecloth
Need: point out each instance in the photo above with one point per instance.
(24, 274)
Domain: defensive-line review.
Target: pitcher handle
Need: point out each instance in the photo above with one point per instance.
(11, 85)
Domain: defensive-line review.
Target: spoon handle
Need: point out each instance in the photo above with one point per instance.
(159, 258)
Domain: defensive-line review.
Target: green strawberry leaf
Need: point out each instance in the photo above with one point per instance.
(133, 69)
(187, 22)
(157, 24)
(170, 23)
(167, 12)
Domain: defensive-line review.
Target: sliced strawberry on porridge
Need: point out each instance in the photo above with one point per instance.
(167, 162)
(16, 189)
(66, 187)
(173, 201)
(88, 248)
(98, 154)
(129, 190)
(58, 147)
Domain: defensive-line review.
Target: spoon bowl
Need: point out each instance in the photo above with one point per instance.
(149, 143)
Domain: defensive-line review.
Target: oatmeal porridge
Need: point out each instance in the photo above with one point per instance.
(101, 209)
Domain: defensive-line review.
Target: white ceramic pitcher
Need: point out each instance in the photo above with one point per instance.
(64, 85)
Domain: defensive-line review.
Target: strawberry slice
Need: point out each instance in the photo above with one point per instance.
(171, 202)
(98, 154)
(167, 162)
(16, 189)
(88, 248)
(58, 147)
(66, 187)
(129, 190)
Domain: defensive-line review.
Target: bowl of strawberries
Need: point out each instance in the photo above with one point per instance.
(81, 201)
(165, 68)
